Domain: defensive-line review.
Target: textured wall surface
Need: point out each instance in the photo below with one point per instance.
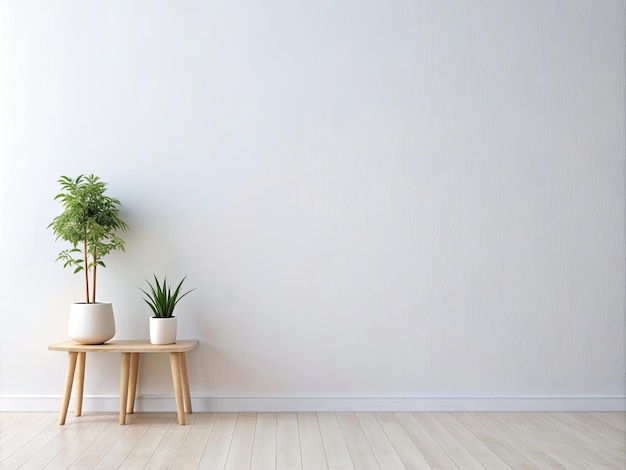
(374, 199)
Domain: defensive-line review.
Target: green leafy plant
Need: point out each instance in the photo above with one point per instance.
(89, 221)
(161, 299)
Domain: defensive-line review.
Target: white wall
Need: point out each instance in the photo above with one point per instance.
(382, 204)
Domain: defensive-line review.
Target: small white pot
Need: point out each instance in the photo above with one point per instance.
(91, 323)
(162, 330)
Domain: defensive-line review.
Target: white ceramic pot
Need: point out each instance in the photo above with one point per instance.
(91, 323)
(162, 330)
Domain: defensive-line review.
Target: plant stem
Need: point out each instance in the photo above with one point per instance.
(86, 268)
(93, 285)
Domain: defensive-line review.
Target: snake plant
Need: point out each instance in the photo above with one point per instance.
(161, 299)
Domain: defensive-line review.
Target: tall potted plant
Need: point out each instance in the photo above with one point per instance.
(89, 222)
(162, 302)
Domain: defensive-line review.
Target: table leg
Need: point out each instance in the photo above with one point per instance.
(69, 379)
(80, 383)
(178, 388)
(124, 378)
(185, 382)
(132, 384)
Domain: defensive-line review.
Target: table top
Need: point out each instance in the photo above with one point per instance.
(127, 346)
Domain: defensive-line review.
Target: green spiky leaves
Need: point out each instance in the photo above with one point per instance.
(161, 299)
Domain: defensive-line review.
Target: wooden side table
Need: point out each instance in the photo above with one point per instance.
(130, 351)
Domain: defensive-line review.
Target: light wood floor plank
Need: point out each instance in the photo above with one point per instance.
(29, 448)
(469, 441)
(535, 455)
(598, 422)
(618, 415)
(264, 447)
(218, 444)
(149, 442)
(617, 420)
(455, 450)
(535, 436)
(572, 441)
(20, 423)
(335, 448)
(105, 441)
(288, 455)
(240, 452)
(91, 445)
(78, 447)
(380, 444)
(337, 441)
(192, 448)
(73, 429)
(9, 419)
(411, 457)
(168, 447)
(611, 440)
(122, 448)
(425, 443)
(19, 443)
(504, 450)
(311, 446)
(360, 451)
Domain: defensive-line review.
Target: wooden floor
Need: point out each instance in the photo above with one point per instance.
(315, 441)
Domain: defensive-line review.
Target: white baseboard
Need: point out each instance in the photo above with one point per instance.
(110, 403)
